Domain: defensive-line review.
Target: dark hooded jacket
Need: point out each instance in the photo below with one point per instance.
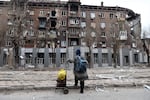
(79, 76)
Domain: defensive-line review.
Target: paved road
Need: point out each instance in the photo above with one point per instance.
(107, 77)
(94, 94)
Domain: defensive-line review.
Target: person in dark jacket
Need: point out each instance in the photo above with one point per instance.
(79, 76)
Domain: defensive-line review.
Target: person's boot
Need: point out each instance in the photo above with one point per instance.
(81, 91)
(76, 82)
(81, 86)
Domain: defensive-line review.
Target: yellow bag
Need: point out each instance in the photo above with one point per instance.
(61, 74)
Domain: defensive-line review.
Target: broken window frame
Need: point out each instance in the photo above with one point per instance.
(102, 25)
(52, 13)
(52, 23)
(111, 15)
(92, 15)
(73, 7)
(93, 34)
(102, 15)
(42, 23)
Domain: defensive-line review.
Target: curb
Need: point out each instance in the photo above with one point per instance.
(32, 87)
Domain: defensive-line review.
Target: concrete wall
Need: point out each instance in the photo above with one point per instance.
(127, 56)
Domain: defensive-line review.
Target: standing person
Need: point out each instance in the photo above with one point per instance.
(80, 71)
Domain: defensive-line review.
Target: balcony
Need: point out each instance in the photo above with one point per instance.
(74, 35)
(73, 14)
(43, 26)
(103, 45)
(41, 36)
(121, 19)
(74, 23)
(29, 45)
(42, 16)
(53, 17)
(74, 26)
(52, 36)
(9, 23)
(123, 37)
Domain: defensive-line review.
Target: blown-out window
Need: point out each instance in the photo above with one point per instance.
(63, 13)
(83, 14)
(92, 15)
(101, 15)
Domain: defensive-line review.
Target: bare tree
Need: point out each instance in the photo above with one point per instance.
(116, 30)
(146, 46)
(90, 40)
(3, 27)
(115, 43)
(18, 13)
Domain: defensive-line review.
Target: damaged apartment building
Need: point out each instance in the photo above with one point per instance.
(49, 32)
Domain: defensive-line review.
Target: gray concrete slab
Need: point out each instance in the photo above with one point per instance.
(106, 77)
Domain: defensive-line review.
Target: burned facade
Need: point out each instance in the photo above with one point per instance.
(51, 30)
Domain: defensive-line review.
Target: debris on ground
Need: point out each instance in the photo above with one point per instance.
(99, 89)
(114, 77)
(147, 87)
(104, 76)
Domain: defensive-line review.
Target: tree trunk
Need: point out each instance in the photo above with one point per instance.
(148, 59)
(90, 58)
(115, 56)
(10, 58)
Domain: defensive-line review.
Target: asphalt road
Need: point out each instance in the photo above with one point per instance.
(90, 94)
